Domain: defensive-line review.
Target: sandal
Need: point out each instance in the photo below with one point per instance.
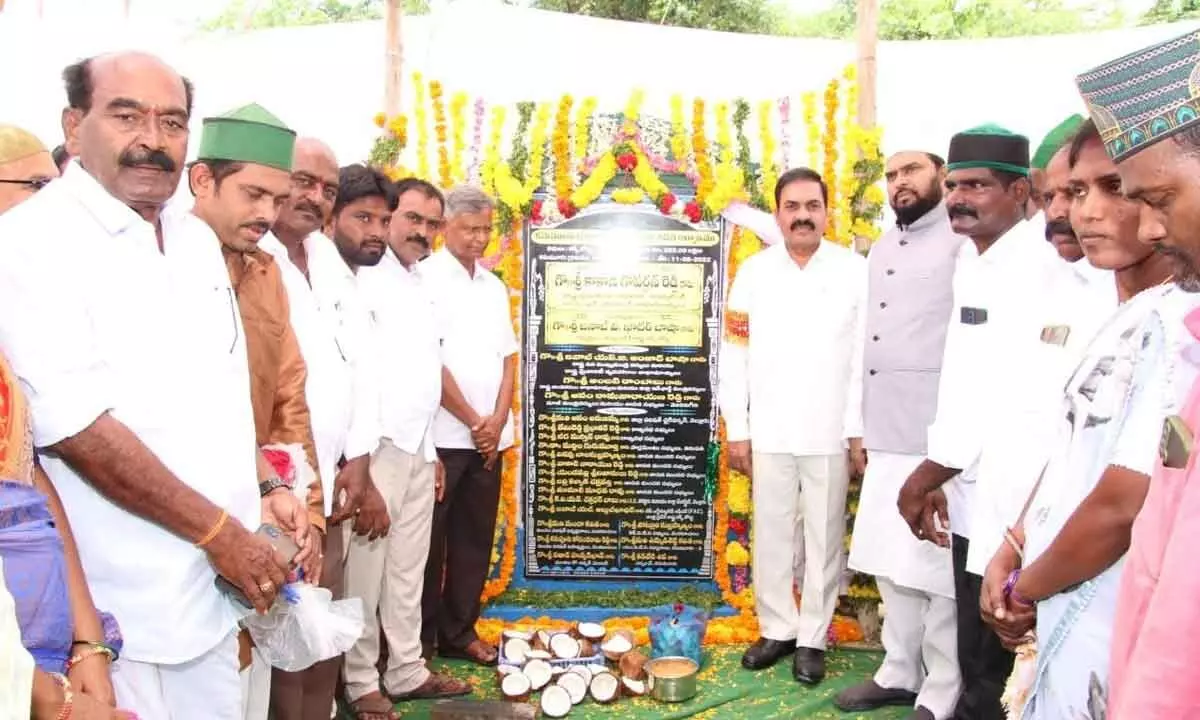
(477, 652)
(373, 706)
(435, 686)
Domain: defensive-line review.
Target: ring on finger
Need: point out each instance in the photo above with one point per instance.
(267, 587)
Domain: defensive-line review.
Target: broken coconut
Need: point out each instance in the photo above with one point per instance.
(582, 671)
(633, 665)
(541, 640)
(616, 646)
(590, 631)
(604, 687)
(564, 646)
(633, 688)
(539, 673)
(556, 701)
(586, 648)
(576, 685)
(538, 655)
(513, 633)
(515, 687)
(516, 651)
(503, 671)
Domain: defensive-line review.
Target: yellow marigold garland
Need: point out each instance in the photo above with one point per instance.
(591, 188)
(583, 122)
(537, 150)
(564, 172)
(420, 119)
(812, 128)
(770, 172)
(491, 158)
(700, 152)
(679, 137)
(633, 109)
(439, 128)
(847, 182)
(458, 122)
(829, 171)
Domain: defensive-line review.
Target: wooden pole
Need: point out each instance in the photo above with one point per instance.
(868, 40)
(394, 54)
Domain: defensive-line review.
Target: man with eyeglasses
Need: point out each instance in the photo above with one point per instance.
(389, 573)
(25, 166)
(341, 398)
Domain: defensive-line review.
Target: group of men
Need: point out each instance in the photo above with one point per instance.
(1018, 396)
(173, 354)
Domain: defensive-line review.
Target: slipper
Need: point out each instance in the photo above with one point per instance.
(435, 687)
(373, 706)
(477, 652)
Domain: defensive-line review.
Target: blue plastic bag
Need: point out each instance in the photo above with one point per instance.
(677, 631)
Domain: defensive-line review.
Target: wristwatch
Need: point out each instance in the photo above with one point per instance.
(266, 487)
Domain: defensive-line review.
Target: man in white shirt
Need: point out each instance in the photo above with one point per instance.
(995, 370)
(134, 405)
(344, 432)
(473, 426)
(389, 573)
(790, 389)
(910, 297)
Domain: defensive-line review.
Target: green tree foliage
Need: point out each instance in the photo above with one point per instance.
(1171, 11)
(259, 14)
(898, 19)
(746, 16)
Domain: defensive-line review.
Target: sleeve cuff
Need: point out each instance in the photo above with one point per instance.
(68, 411)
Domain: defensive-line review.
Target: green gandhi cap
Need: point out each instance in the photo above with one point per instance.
(1145, 96)
(249, 134)
(989, 146)
(1055, 140)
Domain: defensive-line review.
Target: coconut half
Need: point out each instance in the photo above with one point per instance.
(502, 671)
(539, 674)
(576, 685)
(604, 687)
(516, 651)
(582, 671)
(556, 701)
(522, 634)
(633, 688)
(591, 631)
(538, 655)
(615, 647)
(515, 687)
(564, 646)
(541, 640)
(633, 665)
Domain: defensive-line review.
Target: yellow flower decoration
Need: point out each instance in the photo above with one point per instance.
(583, 120)
(420, 118)
(700, 152)
(491, 156)
(592, 188)
(812, 129)
(679, 135)
(537, 151)
(458, 122)
(770, 172)
(736, 555)
(739, 494)
(380, 119)
(632, 109)
(564, 174)
(628, 196)
(439, 126)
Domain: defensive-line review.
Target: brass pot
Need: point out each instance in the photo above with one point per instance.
(672, 679)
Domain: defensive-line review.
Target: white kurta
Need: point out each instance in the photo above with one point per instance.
(330, 384)
(998, 315)
(95, 319)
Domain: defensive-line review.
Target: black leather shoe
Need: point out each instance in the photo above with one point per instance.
(766, 652)
(868, 695)
(808, 665)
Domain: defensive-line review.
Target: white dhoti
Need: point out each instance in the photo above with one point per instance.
(916, 582)
(256, 687)
(784, 487)
(207, 688)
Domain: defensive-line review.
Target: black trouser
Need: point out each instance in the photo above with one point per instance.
(460, 550)
(983, 661)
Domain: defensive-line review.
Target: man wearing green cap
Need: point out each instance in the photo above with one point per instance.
(1146, 106)
(25, 166)
(995, 376)
(1050, 170)
(240, 177)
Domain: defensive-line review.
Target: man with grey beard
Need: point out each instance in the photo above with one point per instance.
(910, 291)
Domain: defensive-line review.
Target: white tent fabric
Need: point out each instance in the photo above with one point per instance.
(328, 80)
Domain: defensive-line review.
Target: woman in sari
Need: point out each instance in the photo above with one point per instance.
(71, 643)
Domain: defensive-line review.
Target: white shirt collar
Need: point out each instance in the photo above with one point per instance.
(112, 214)
(454, 266)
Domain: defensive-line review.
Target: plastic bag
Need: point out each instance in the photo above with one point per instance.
(678, 631)
(305, 626)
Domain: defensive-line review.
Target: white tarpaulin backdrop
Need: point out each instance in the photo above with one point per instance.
(328, 80)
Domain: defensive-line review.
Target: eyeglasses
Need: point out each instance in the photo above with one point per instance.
(34, 184)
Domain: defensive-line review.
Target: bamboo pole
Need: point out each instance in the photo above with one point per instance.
(394, 54)
(868, 39)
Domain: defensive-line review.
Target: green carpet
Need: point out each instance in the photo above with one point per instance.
(726, 692)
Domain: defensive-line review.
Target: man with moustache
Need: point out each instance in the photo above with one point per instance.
(389, 573)
(790, 389)
(909, 302)
(25, 166)
(1146, 110)
(343, 420)
(991, 375)
(140, 416)
(1062, 557)
(472, 427)
(1054, 171)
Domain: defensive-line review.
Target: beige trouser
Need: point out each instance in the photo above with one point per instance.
(786, 488)
(389, 575)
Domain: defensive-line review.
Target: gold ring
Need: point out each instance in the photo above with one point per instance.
(266, 587)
